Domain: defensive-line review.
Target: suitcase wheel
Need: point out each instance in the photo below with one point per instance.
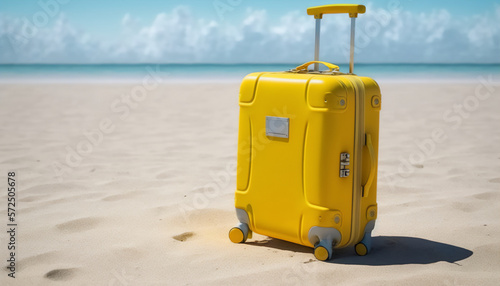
(239, 234)
(323, 250)
(361, 249)
(365, 245)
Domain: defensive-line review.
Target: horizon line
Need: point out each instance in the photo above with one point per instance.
(243, 63)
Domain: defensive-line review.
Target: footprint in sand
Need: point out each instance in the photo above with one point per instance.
(487, 196)
(77, 225)
(183, 236)
(163, 176)
(495, 180)
(60, 274)
(465, 207)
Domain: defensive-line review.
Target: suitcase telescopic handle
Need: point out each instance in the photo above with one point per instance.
(371, 151)
(352, 9)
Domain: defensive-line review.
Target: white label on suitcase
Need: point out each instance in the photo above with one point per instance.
(277, 126)
(345, 160)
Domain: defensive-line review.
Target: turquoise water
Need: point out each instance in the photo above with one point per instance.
(235, 71)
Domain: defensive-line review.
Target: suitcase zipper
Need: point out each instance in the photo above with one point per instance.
(358, 159)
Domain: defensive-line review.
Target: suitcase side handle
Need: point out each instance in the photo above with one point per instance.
(332, 67)
(371, 151)
(351, 9)
(318, 11)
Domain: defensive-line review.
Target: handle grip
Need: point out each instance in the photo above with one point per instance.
(351, 9)
(367, 186)
(332, 67)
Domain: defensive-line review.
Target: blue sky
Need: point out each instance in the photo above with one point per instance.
(235, 31)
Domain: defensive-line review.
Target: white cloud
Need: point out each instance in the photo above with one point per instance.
(178, 36)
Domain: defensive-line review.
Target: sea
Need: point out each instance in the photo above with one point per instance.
(233, 72)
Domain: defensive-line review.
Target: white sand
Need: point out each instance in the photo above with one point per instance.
(152, 201)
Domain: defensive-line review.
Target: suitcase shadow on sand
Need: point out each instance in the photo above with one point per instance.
(274, 243)
(386, 250)
(400, 250)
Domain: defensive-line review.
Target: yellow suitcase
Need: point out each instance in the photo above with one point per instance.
(308, 153)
